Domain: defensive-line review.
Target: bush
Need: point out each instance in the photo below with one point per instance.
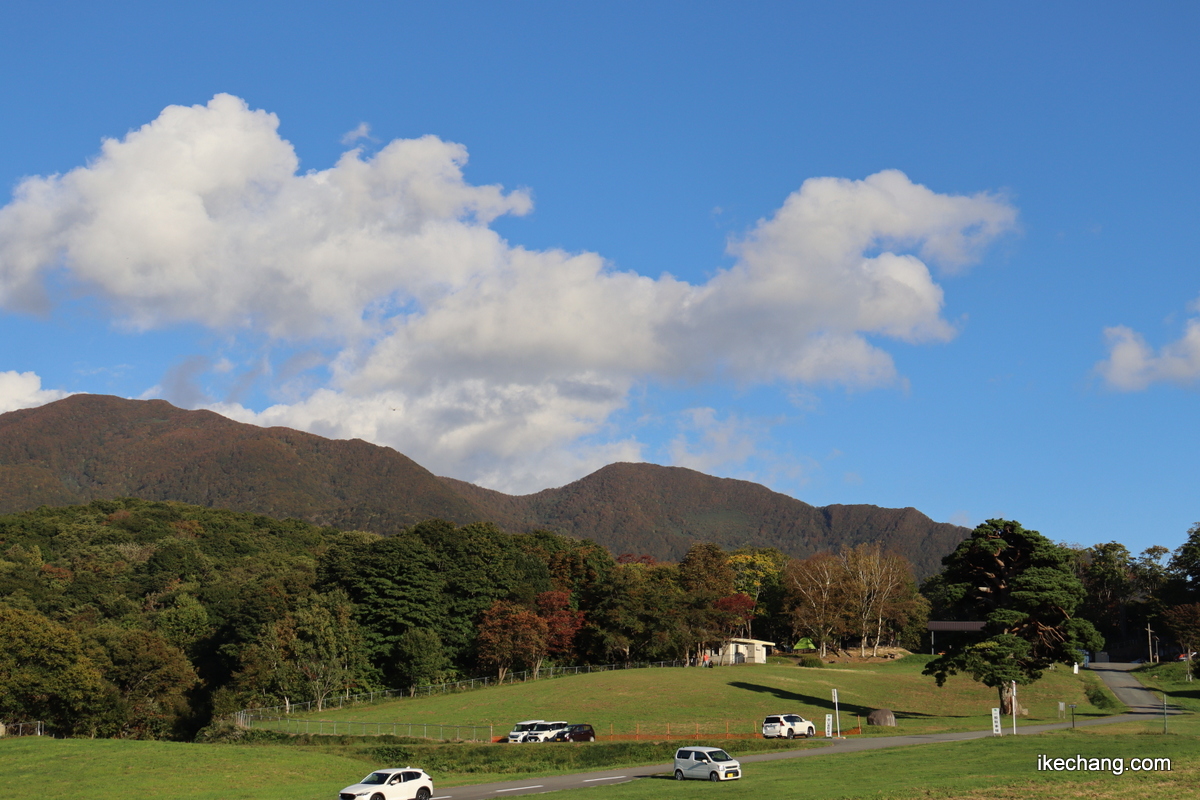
(226, 731)
(1098, 696)
(810, 661)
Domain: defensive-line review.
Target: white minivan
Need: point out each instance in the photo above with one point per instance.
(706, 764)
(522, 729)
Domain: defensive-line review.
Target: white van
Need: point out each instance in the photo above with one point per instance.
(706, 764)
(544, 731)
(522, 729)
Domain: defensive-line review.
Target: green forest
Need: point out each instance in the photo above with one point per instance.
(150, 620)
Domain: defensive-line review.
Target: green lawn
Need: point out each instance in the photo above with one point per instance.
(712, 700)
(110, 769)
(986, 768)
(317, 767)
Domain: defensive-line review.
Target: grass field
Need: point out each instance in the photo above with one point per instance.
(315, 768)
(109, 769)
(1004, 768)
(709, 701)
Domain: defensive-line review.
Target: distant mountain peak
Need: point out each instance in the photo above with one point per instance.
(87, 447)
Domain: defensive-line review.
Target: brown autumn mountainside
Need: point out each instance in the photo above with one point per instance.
(87, 447)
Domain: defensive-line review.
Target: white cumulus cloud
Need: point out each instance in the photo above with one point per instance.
(24, 390)
(477, 357)
(1133, 365)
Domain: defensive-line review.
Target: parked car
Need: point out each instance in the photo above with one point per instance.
(575, 733)
(544, 731)
(408, 783)
(522, 729)
(706, 764)
(787, 726)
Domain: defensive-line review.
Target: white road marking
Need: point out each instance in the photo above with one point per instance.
(519, 788)
(613, 778)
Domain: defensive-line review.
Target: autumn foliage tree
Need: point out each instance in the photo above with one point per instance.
(562, 622)
(511, 635)
(737, 611)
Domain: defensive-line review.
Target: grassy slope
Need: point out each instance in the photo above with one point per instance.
(1005, 768)
(648, 699)
(108, 769)
(985, 768)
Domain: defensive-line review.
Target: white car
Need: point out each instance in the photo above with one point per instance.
(544, 731)
(407, 783)
(787, 726)
(522, 729)
(706, 764)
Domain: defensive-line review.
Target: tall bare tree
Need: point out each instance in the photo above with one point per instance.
(875, 581)
(817, 587)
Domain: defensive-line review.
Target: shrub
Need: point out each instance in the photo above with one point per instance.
(810, 661)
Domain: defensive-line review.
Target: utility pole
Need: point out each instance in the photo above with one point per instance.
(1149, 644)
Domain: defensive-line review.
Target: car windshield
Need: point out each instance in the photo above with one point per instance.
(523, 726)
(718, 755)
(376, 778)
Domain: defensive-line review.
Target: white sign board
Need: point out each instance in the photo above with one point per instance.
(996, 731)
(829, 726)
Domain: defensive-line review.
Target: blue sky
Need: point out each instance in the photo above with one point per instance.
(937, 255)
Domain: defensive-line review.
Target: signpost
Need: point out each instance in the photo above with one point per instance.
(837, 714)
(829, 726)
(996, 730)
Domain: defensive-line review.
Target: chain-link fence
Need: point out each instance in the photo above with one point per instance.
(343, 700)
(23, 729)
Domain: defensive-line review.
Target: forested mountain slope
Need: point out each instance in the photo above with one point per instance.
(89, 447)
(661, 511)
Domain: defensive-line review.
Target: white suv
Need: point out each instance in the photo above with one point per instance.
(787, 726)
(706, 764)
(391, 784)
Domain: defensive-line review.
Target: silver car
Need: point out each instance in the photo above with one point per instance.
(706, 764)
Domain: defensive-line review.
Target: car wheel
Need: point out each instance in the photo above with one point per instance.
(678, 774)
(591, 738)
(810, 733)
(377, 796)
(714, 777)
(423, 793)
(791, 734)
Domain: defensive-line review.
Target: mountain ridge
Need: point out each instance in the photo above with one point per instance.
(87, 447)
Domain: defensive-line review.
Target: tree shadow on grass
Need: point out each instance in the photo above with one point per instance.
(827, 702)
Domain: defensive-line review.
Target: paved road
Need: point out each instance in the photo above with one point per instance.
(1141, 703)
(1127, 689)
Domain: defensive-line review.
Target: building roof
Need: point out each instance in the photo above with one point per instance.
(956, 625)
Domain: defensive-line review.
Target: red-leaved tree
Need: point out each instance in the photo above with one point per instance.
(562, 622)
(511, 636)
